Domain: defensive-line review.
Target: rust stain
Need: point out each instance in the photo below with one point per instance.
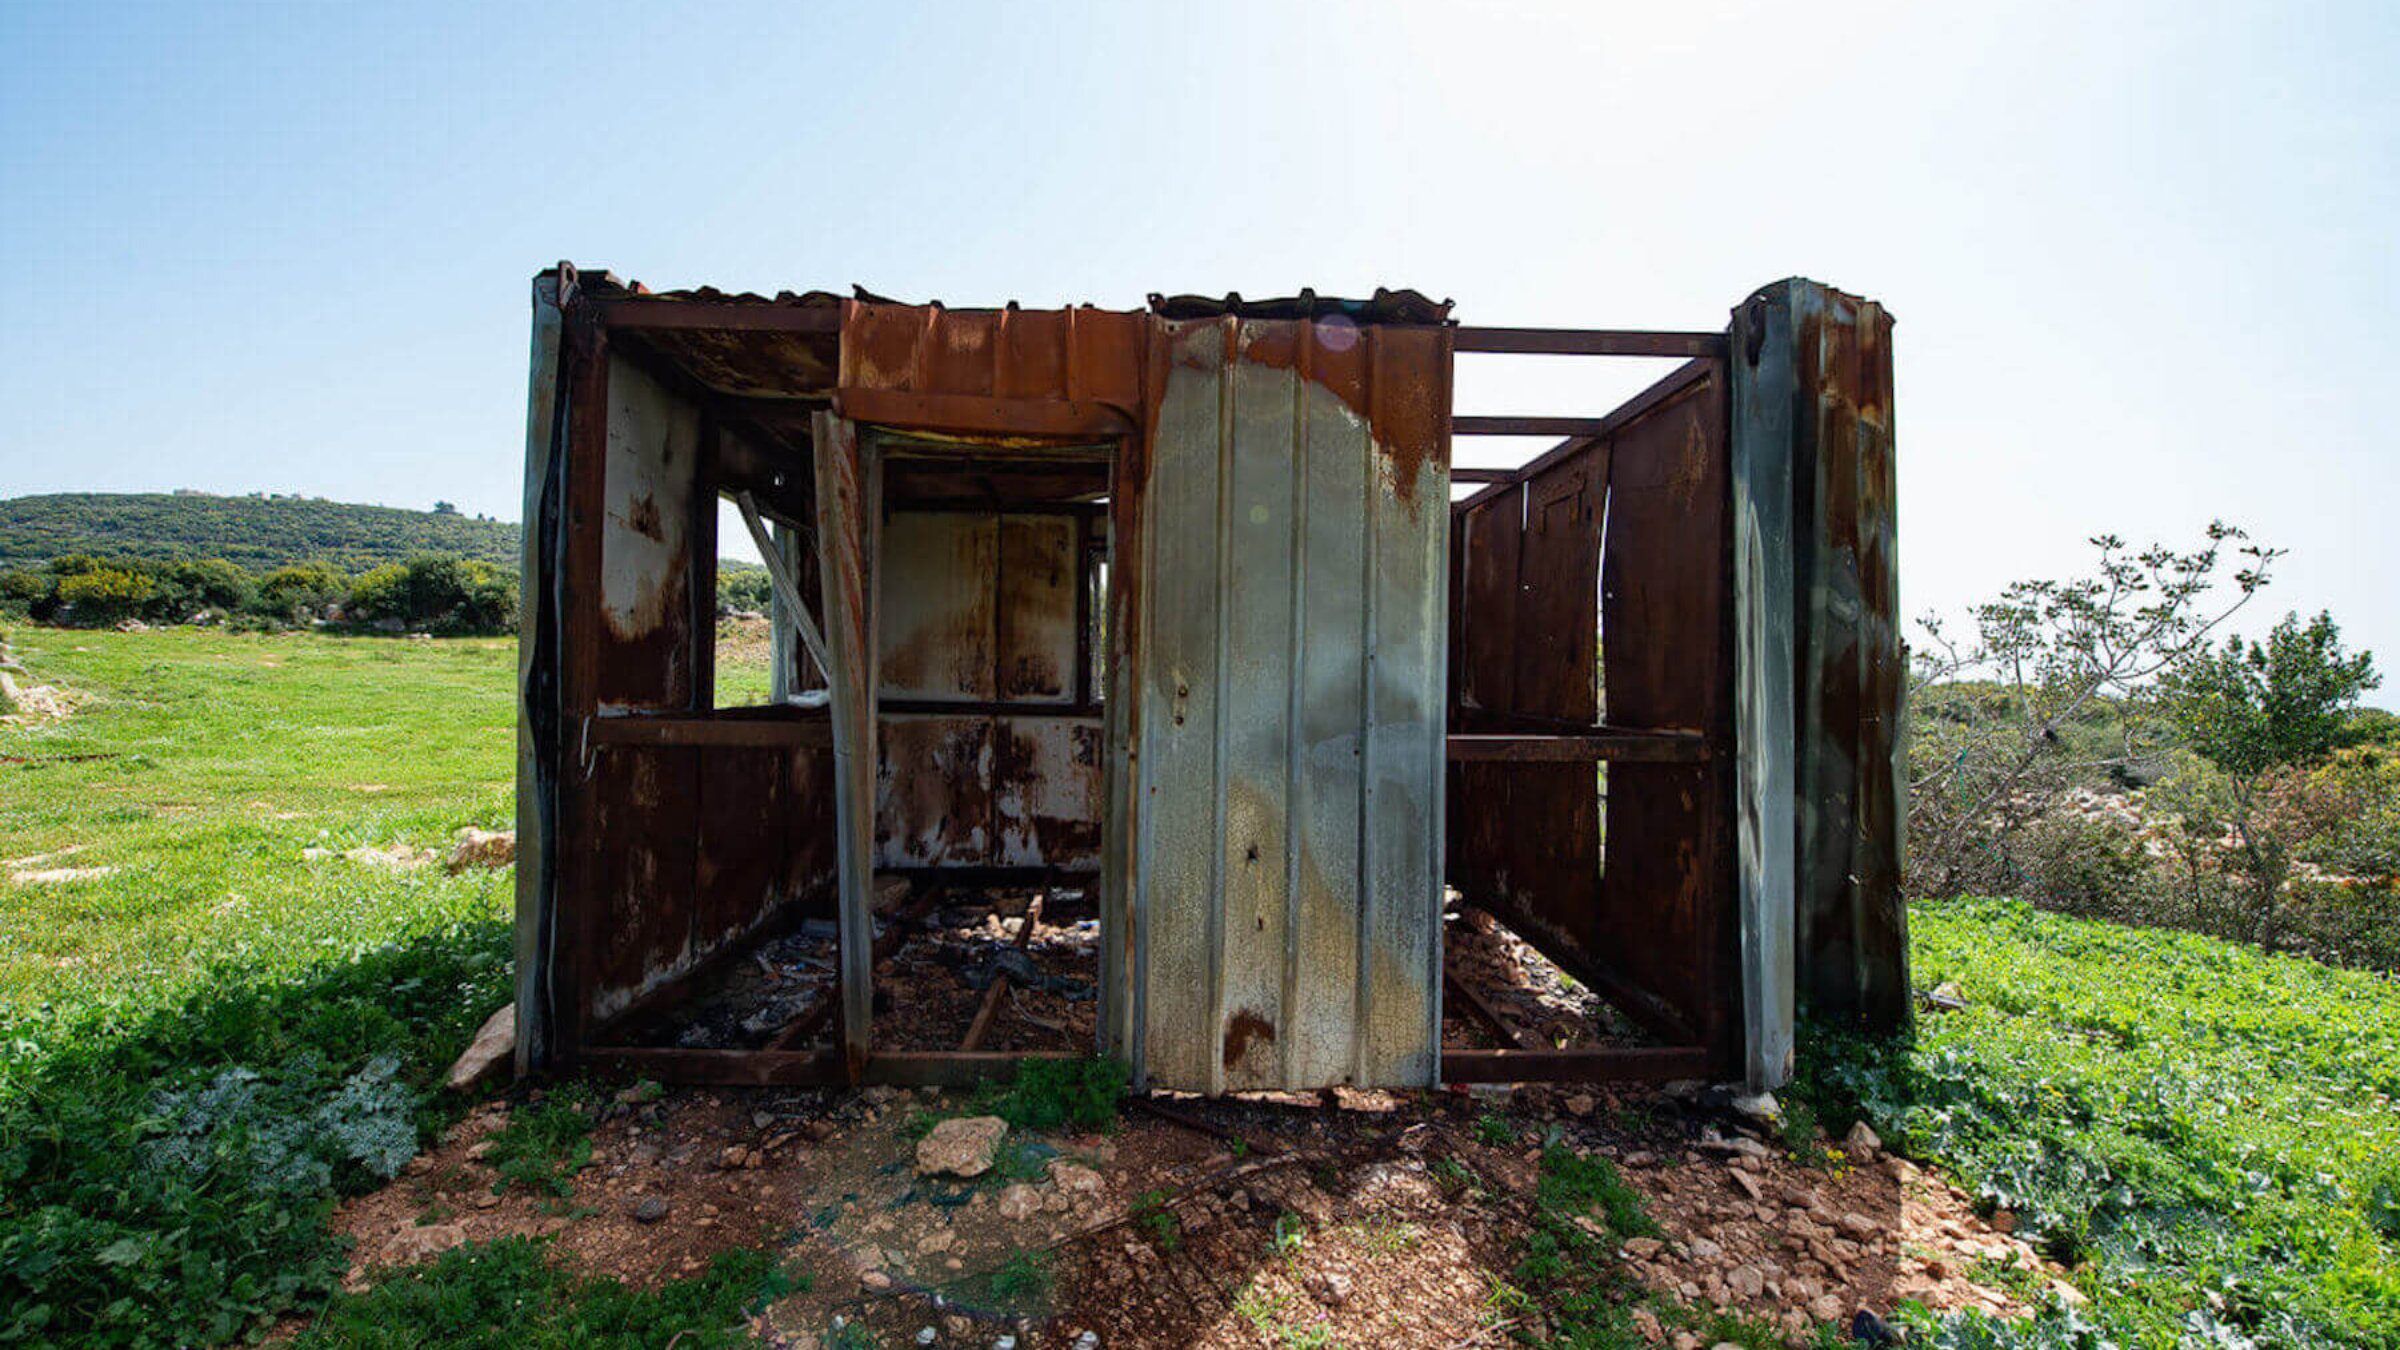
(1244, 1028)
(643, 519)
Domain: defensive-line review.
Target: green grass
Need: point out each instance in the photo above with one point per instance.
(202, 1050)
(2211, 1136)
(507, 1295)
(206, 764)
(541, 1148)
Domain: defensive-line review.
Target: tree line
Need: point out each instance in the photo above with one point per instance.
(430, 592)
(260, 532)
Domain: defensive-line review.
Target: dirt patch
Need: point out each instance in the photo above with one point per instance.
(1254, 1222)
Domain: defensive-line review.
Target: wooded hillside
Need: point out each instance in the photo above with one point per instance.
(260, 533)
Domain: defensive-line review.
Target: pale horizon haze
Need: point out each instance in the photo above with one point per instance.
(2141, 257)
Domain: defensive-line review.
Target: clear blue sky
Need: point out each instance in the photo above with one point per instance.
(2142, 257)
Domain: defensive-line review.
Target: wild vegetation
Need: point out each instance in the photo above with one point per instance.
(96, 560)
(2095, 748)
(2208, 1134)
(219, 1013)
(258, 533)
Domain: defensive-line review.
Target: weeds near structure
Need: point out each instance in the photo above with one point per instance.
(508, 1295)
(543, 1148)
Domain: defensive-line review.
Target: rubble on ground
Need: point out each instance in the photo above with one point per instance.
(481, 848)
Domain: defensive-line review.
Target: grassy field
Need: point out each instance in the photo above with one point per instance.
(202, 767)
(203, 1048)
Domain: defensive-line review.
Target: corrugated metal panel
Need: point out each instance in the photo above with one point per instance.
(1046, 792)
(939, 596)
(1289, 675)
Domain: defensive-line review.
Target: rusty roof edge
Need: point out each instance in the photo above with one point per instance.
(1385, 306)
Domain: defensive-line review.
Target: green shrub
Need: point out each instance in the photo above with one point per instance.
(446, 593)
(291, 591)
(1052, 1094)
(101, 595)
(165, 1179)
(2081, 866)
(207, 583)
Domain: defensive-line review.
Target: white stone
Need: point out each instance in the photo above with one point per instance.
(1862, 1141)
(962, 1147)
(495, 1045)
(1020, 1202)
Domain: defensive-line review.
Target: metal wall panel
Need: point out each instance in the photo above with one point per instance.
(939, 597)
(1289, 671)
(1852, 924)
(1669, 918)
(1035, 635)
(540, 717)
(646, 544)
(1766, 396)
(1046, 792)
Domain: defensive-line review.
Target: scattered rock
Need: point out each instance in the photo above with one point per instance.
(874, 1281)
(1580, 1104)
(1075, 1178)
(419, 1242)
(650, 1209)
(1643, 1248)
(495, 1045)
(1761, 1107)
(53, 876)
(1329, 1287)
(1020, 1202)
(1748, 1184)
(1862, 1142)
(961, 1147)
(482, 848)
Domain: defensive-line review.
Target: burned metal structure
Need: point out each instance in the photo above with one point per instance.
(1177, 609)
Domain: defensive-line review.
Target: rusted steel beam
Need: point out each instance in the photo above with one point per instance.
(814, 733)
(1482, 1010)
(1623, 747)
(1459, 475)
(972, 414)
(657, 312)
(1632, 1063)
(810, 1068)
(1589, 342)
(733, 1068)
(1677, 383)
(1153, 1107)
(982, 1025)
(1528, 426)
(849, 507)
